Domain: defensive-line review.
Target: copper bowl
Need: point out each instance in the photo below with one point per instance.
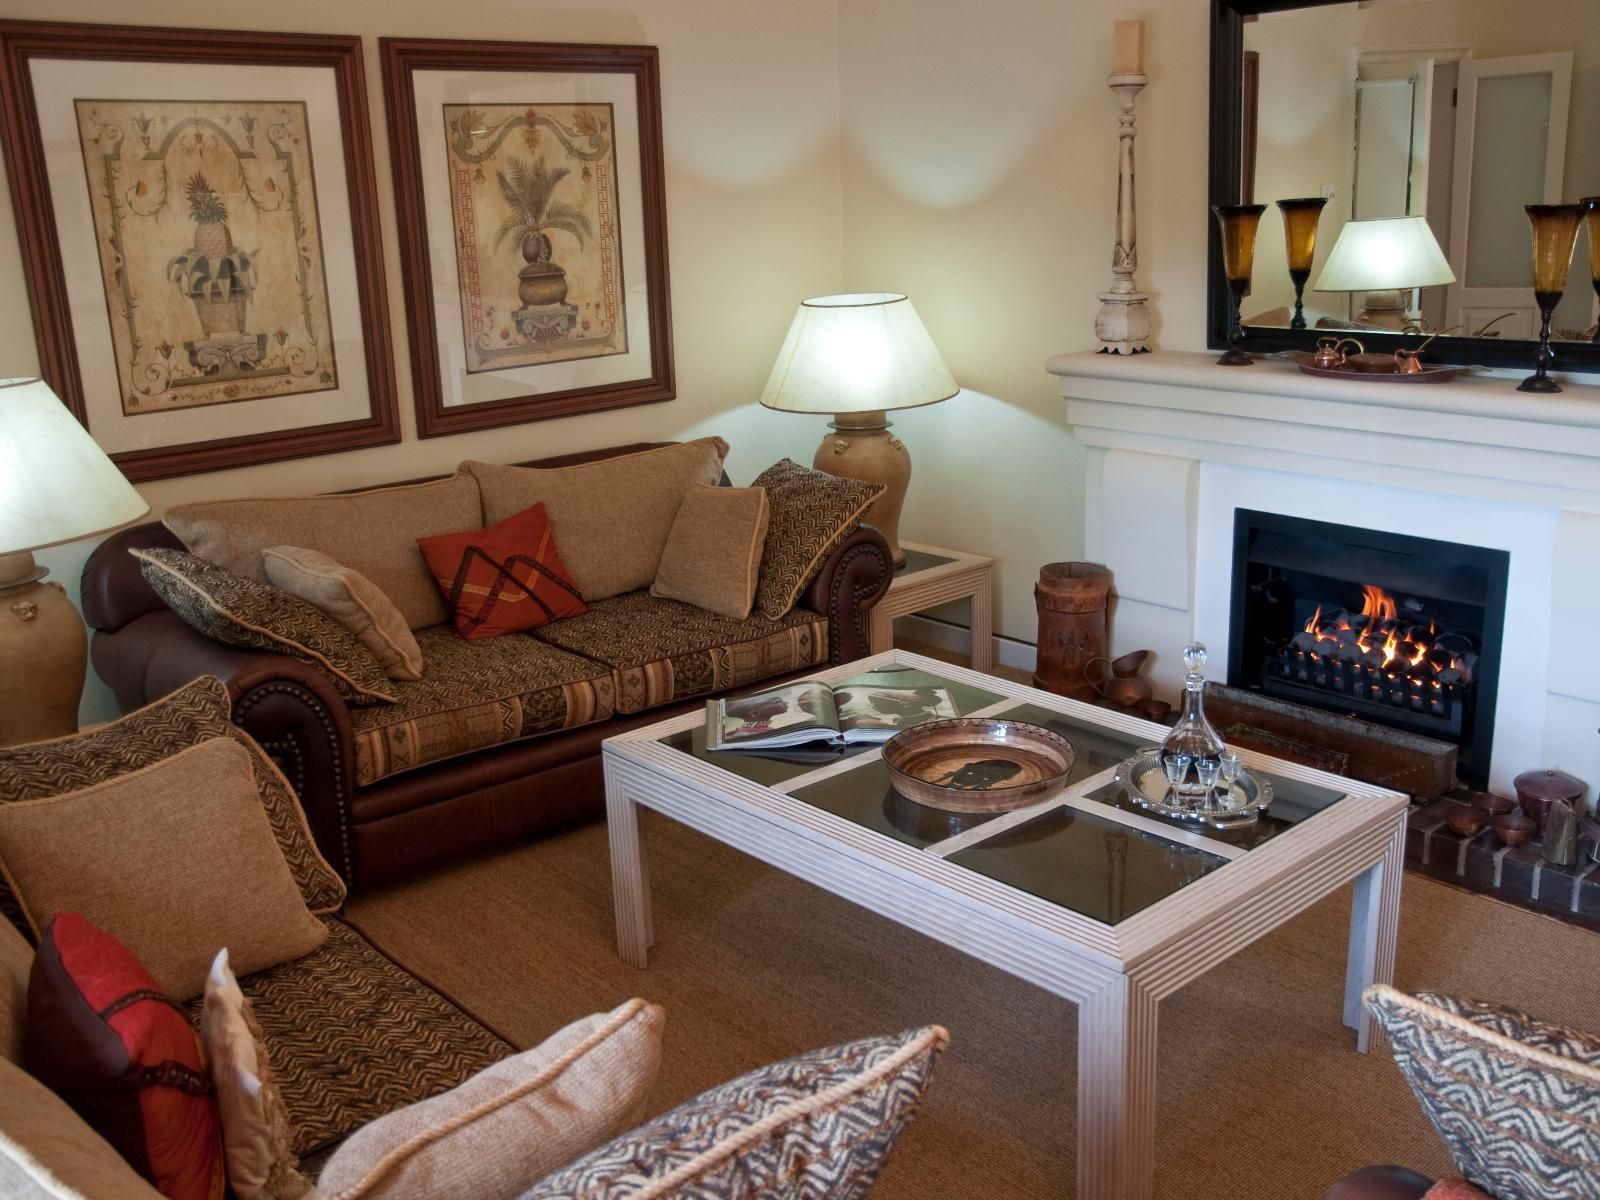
(1514, 828)
(1494, 805)
(1466, 821)
(977, 764)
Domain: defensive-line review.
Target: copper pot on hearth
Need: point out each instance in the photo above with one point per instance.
(1538, 790)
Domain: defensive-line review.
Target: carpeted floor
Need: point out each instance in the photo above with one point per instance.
(1261, 1091)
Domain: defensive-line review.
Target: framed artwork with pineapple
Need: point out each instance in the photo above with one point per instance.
(531, 203)
(198, 223)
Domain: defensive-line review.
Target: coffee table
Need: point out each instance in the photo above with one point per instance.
(1095, 901)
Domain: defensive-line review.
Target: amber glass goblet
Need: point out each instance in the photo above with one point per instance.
(1555, 236)
(1237, 224)
(1591, 214)
(1300, 219)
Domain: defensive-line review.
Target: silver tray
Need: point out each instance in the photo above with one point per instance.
(1145, 784)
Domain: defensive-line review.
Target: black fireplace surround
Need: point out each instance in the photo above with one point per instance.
(1400, 630)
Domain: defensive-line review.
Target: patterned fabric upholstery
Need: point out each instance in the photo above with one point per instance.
(475, 694)
(663, 650)
(193, 714)
(238, 611)
(1516, 1101)
(354, 1036)
(808, 513)
(820, 1124)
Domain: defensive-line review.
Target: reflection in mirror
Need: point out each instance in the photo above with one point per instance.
(1453, 113)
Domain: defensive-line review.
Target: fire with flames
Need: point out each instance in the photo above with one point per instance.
(1379, 639)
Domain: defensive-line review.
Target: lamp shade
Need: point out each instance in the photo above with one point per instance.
(56, 485)
(1388, 253)
(860, 352)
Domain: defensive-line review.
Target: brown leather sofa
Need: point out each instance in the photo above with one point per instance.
(406, 822)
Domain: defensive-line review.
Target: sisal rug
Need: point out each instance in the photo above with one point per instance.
(1261, 1092)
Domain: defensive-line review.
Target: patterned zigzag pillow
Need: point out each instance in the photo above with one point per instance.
(1517, 1101)
(817, 1125)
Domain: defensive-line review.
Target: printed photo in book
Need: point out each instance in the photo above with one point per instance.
(846, 714)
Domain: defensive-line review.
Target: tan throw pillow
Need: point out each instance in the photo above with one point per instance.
(48, 1152)
(511, 1124)
(809, 513)
(351, 599)
(713, 554)
(610, 517)
(237, 611)
(174, 860)
(16, 960)
(256, 1141)
(197, 712)
(374, 532)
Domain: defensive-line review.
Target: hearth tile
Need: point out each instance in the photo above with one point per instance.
(1483, 862)
(1586, 898)
(1553, 887)
(1516, 870)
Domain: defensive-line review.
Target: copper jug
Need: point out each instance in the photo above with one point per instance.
(1120, 683)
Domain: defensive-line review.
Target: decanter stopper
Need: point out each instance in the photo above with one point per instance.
(1194, 660)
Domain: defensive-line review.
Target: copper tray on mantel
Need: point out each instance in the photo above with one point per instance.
(977, 764)
(1373, 373)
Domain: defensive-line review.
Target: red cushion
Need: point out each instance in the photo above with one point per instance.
(104, 1038)
(503, 578)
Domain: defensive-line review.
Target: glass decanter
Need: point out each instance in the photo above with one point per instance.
(1192, 754)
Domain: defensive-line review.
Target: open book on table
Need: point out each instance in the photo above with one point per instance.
(845, 714)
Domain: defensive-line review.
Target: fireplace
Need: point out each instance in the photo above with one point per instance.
(1385, 626)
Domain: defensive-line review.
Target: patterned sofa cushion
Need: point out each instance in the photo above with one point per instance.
(476, 694)
(663, 650)
(355, 1036)
(818, 1125)
(1517, 1101)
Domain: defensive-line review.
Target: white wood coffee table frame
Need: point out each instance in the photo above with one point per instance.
(1116, 975)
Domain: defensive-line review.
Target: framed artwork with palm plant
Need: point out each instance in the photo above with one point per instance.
(197, 217)
(532, 212)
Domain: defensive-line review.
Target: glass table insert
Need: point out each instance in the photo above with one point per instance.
(1088, 849)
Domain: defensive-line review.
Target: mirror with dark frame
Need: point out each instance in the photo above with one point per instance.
(1394, 144)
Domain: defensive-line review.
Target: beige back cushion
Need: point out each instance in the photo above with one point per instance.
(175, 861)
(16, 961)
(372, 532)
(48, 1153)
(610, 518)
(351, 599)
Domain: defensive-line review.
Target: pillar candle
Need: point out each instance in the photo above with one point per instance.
(1128, 48)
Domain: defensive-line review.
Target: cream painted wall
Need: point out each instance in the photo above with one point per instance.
(753, 207)
(980, 178)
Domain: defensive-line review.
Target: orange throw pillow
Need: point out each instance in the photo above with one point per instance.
(504, 578)
(104, 1037)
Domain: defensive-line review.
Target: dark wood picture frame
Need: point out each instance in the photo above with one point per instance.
(23, 41)
(402, 57)
(1228, 100)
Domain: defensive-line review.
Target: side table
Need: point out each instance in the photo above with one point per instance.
(931, 576)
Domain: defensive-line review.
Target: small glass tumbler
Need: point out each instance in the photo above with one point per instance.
(1231, 765)
(1177, 769)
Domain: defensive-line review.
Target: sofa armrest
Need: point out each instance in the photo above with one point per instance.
(852, 579)
(1380, 1183)
(289, 707)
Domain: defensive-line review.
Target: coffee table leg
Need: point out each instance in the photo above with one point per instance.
(630, 876)
(983, 626)
(1117, 1093)
(1374, 932)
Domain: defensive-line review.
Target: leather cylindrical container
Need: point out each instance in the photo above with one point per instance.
(1071, 599)
(1537, 790)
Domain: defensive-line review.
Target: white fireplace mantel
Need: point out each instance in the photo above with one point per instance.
(1176, 443)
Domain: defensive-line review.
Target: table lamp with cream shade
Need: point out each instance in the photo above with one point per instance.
(855, 356)
(1385, 258)
(56, 486)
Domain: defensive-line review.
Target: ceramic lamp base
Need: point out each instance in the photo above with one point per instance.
(861, 447)
(44, 651)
